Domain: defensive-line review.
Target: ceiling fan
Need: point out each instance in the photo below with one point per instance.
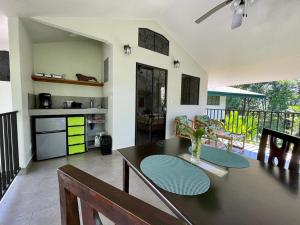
(239, 8)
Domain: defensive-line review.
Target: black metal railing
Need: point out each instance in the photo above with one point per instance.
(9, 152)
(252, 122)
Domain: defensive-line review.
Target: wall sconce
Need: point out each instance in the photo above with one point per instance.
(127, 49)
(176, 63)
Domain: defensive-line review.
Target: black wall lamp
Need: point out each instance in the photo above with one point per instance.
(127, 49)
(176, 63)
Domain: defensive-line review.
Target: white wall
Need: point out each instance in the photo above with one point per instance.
(222, 106)
(5, 87)
(3, 33)
(5, 97)
(69, 58)
(119, 33)
(21, 69)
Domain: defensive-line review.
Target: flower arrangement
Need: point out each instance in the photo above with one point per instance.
(196, 136)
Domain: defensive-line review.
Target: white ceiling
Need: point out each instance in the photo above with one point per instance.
(91, 8)
(266, 47)
(41, 33)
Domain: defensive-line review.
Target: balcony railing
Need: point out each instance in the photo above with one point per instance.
(9, 153)
(252, 122)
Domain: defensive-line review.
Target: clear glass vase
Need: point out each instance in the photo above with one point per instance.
(196, 149)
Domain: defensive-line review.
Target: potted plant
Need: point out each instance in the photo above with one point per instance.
(196, 136)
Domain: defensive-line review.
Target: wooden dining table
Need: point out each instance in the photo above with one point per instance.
(259, 194)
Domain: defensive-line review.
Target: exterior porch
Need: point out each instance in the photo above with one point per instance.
(33, 198)
(126, 71)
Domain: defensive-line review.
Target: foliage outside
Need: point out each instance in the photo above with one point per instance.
(246, 125)
(251, 123)
(280, 96)
(280, 110)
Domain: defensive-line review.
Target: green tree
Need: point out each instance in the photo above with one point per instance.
(280, 95)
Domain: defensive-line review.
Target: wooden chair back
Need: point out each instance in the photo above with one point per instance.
(217, 125)
(289, 143)
(97, 196)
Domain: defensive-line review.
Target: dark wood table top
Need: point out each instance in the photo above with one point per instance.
(256, 195)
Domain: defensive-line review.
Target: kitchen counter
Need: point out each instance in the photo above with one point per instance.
(51, 112)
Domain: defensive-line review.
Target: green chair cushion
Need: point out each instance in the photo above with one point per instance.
(182, 119)
(203, 118)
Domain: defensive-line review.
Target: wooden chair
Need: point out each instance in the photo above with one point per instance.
(97, 196)
(289, 143)
(201, 121)
(218, 128)
(180, 123)
(233, 139)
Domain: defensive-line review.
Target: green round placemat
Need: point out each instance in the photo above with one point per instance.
(175, 175)
(222, 157)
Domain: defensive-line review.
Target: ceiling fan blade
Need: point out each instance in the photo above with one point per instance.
(237, 20)
(212, 11)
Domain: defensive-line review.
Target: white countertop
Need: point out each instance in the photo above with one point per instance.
(50, 112)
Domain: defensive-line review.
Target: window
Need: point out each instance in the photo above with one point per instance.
(213, 100)
(189, 90)
(4, 66)
(153, 41)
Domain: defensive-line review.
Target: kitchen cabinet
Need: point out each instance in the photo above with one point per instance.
(62, 135)
(76, 134)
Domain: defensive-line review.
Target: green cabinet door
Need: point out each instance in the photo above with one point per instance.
(74, 140)
(74, 149)
(76, 121)
(75, 130)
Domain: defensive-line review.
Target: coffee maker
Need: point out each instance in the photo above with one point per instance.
(45, 100)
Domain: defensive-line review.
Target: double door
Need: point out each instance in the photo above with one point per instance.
(151, 101)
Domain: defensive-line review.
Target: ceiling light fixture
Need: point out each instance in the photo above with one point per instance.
(176, 63)
(239, 8)
(127, 49)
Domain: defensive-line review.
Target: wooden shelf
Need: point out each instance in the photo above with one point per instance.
(63, 81)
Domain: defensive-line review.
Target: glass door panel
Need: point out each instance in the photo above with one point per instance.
(150, 104)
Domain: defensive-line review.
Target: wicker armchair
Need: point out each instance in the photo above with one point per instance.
(218, 128)
(201, 121)
(180, 123)
(233, 139)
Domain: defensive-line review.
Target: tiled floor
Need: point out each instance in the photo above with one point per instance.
(33, 198)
